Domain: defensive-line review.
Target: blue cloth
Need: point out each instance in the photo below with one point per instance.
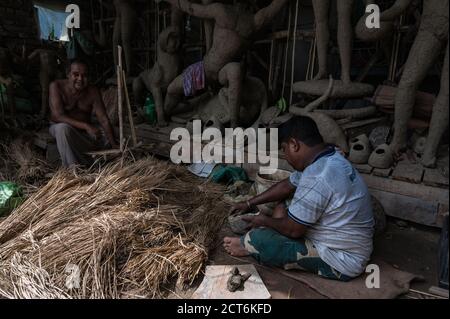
(334, 202)
(52, 20)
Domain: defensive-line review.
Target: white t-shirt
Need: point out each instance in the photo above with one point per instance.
(334, 202)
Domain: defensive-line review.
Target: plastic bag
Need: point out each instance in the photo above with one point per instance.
(11, 197)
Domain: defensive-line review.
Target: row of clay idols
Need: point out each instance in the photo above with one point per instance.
(229, 40)
(431, 40)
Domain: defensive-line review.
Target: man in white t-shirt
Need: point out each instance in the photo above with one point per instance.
(328, 226)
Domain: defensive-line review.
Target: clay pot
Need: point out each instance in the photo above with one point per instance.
(359, 154)
(359, 150)
(382, 157)
(360, 139)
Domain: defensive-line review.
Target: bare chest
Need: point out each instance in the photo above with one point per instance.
(77, 104)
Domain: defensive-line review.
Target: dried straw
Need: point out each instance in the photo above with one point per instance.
(131, 226)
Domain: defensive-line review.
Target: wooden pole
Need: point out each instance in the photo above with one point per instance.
(119, 97)
(293, 53)
(313, 64)
(286, 52)
(130, 113)
(270, 83)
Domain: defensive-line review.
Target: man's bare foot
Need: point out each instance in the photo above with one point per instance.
(233, 246)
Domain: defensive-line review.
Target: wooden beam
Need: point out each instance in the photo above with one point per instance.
(427, 193)
(408, 208)
(382, 172)
(434, 177)
(299, 35)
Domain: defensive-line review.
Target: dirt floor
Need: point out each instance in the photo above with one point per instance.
(412, 248)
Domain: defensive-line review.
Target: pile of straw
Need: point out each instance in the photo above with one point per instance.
(131, 228)
(22, 165)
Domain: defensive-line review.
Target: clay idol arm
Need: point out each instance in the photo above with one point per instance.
(397, 9)
(265, 15)
(197, 10)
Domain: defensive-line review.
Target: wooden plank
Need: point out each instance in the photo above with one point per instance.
(214, 285)
(427, 193)
(433, 177)
(354, 124)
(438, 291)
(382, 172)
(363, 168)
(408, 172)
(408, 208)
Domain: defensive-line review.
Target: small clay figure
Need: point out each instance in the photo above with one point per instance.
(124, 28)
(233, 28)
(166, 68)
(430, 40)
(237, 280)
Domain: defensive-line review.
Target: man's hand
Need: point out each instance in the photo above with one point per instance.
(93, 131)
(256, 221)
(240, 208)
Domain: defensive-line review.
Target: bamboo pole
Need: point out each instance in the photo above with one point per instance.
(293, 53)
(314, 56)
(130, 113)
(119, 97)
(271, 71)
(286, 51)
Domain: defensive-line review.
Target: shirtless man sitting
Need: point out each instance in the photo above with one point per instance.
(72, 102)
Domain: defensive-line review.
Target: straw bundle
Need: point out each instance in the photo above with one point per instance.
(130, 226)
(28, 165)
